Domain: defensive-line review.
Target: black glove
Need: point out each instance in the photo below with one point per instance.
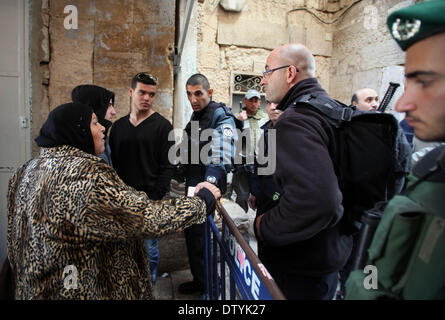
(209, 199)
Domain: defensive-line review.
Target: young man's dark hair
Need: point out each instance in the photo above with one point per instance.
(145, 78)
(199, 79)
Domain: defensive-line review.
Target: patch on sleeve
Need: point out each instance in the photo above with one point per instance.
(227, 130)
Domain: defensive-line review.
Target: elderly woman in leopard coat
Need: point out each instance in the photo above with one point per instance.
(75, 230)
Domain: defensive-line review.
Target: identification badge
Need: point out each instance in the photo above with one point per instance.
(191, 191)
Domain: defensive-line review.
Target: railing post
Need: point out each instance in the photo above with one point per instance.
(247, 273)
(206, 258)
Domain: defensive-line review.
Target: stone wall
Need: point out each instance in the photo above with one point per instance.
(118, 38)
(364, 54)
(39, 64)
(348, 38)
(241, 41)
(115, 39)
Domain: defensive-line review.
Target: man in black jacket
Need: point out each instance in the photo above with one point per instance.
(303, 246)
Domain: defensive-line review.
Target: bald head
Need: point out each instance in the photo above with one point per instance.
(298, 55)
(365, 99)
(286, 66)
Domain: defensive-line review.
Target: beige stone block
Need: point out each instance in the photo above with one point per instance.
(114, 11)
(153, 38)
(220, 82)
(117, 61)
(341, 88)
(121, 100)
(45, 19)
(297, 34)
(164, 104)
(305, 29)
(45, 52)
(251, 34)
(264, 11)
(71, 54)
(59, 95)
(259, 65)
(243, 59)
(124, 50)
(367, 79)
(116, 69)
(85, 8)
(322, 71)
(209, 54)
(155, 12)
(316, 39)
(71, 40)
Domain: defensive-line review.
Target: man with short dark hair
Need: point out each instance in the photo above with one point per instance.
(139, 148)
(208, 117)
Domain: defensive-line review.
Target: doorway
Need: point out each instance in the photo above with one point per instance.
(15, 132)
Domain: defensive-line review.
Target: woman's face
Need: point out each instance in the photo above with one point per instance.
(97, 131)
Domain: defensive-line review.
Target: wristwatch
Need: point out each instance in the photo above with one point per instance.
(211, 179)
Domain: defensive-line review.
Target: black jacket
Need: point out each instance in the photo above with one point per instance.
(264, 187)
(301, 233)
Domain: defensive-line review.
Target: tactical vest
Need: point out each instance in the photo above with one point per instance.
(407, 253)
(195, 173)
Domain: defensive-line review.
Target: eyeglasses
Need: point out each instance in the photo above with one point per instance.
(265, 73)
(145, 76)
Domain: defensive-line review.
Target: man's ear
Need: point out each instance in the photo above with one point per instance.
(210, 92)
(131, 92)
(292, 74)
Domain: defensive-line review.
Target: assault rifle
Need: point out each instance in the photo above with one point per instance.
(388, 96)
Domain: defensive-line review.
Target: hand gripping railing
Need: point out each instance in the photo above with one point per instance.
(248, 277)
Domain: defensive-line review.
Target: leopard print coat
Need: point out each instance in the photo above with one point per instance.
(75, 230)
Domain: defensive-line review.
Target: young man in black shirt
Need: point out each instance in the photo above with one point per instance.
(139, 148)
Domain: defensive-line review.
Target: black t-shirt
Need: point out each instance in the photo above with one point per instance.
(140, 154)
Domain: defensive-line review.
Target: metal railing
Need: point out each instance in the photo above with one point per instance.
(228, 251)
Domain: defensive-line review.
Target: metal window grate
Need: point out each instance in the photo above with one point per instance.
(243, 82)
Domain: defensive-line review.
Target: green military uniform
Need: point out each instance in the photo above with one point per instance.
(408, 248)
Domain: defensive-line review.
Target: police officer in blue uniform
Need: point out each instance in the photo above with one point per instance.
(212, 166)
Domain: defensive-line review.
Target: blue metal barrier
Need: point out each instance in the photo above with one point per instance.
(248, 277)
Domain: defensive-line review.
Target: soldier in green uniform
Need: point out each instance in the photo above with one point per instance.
(407, 254)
